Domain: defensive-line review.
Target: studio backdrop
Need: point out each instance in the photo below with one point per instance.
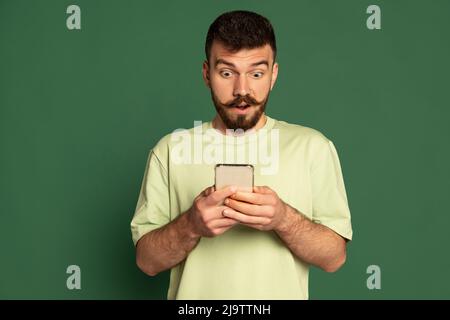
(88, 87)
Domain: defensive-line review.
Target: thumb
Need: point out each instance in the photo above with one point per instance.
(208, 191)
(218, 196)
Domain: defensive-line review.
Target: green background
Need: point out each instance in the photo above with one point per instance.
(80, 110)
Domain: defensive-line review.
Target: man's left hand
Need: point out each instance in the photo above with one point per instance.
(261, 209)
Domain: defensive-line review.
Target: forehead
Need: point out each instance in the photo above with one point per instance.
(242, 57)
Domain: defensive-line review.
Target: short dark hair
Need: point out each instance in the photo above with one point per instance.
(238, 30)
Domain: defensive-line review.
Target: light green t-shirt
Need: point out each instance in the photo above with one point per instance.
(300, 164)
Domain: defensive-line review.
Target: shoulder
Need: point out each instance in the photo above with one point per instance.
(312, 137)
(162, 145)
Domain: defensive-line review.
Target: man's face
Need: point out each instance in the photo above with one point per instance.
(240, 83)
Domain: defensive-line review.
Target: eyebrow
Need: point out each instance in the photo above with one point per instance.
(222, 61)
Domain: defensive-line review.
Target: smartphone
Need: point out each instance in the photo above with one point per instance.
(239, 175)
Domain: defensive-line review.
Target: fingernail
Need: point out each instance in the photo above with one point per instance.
(226, 201)
(233, 189)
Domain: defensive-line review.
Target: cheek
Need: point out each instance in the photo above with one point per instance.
(222, 89)
(261, 89)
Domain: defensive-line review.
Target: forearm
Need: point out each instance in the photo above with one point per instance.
(167, 246)
(312, 242)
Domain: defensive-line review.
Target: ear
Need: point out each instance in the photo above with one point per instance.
(274, 75)
(205, 73)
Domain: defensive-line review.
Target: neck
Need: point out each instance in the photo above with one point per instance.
(218, 124)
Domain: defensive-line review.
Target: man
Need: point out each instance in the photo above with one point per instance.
(229, 244)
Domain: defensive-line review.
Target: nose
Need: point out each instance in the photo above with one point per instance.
(241, 86)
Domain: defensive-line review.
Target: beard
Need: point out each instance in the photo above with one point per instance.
(240, 121)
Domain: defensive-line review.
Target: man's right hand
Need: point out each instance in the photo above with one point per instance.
(206, 215)
(165, 247)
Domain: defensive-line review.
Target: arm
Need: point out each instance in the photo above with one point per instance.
(312, 242)
(167, 246)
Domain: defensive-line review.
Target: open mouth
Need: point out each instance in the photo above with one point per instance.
(243, 106)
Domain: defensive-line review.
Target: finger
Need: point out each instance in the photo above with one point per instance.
(207, 191)
(244, 218)
(262, 189)
(217, 212)
(254, 226)
(223, 230)
(247, 208)
(218, 196)
(223, 222)
(251, 197)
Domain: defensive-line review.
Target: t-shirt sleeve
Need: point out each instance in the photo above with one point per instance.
(152, 209)
(330, 206)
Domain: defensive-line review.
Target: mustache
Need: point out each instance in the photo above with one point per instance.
(248, 99)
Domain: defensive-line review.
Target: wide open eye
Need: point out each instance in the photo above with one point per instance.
(257, 74)
(226, 73)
